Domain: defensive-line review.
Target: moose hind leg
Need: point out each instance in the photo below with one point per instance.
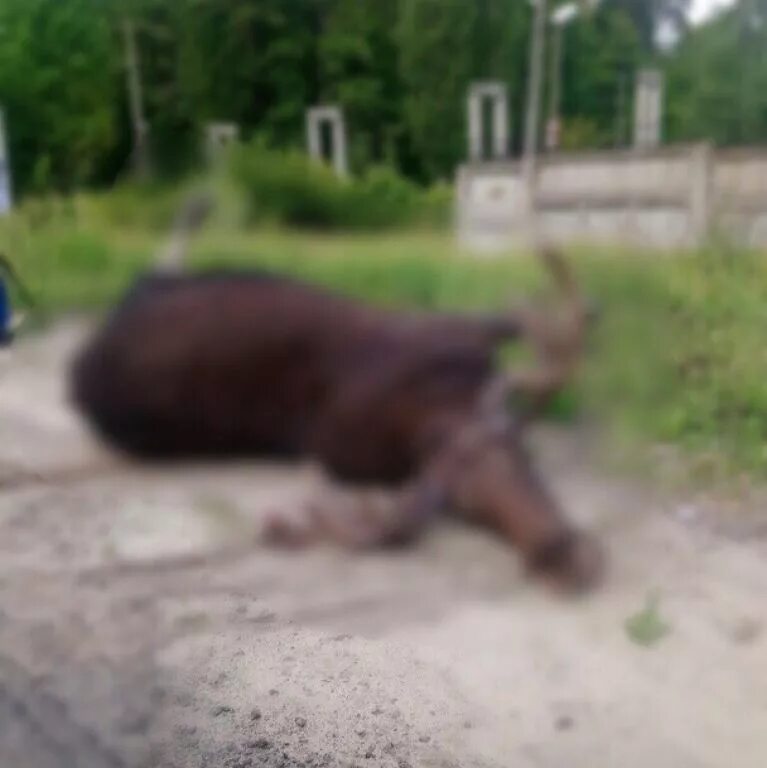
(357, 519)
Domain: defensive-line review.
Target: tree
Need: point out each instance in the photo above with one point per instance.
(57, 83)
(358, 68)
(443, 46)
(602, 53)
(706, 102)
(649, 16)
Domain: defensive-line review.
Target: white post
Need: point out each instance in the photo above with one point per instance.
(648, 114)
(501, 124)
(339, 153)
(474, 111)
(219, 137)
(701, 160)
(497, 93)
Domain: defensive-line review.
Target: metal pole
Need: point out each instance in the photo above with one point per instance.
(537, 52)
(620, 112)
(136, 100)
(555, 96)
(532, 119)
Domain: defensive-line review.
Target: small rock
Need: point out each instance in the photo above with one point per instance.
(260, 744)
(403, 764)
(378, 711)
(746, 632)
(369, 754)
(184, 699)
(424, 739)
(221, 709)
(361, 734)
(137, 723)
(255, 713)
(301, 722)
(219, 679)
(564, 723)
(687, 513)
(274, 692)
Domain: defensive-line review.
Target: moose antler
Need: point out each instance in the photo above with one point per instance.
(557, 337)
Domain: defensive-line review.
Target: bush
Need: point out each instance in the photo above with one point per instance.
(286, 187)
(149, 206)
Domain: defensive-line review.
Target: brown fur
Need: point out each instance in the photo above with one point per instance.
(252, 364)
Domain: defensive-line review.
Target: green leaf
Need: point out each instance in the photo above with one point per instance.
(647, 628)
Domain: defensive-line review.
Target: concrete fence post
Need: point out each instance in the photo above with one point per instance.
(701, 183)
(316, 117)
(497, 93)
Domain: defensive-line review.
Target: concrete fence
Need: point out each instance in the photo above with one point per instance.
(674, 197)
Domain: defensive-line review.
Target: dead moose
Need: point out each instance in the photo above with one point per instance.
(226, 364)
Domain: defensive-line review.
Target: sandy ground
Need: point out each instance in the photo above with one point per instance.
(140, 623)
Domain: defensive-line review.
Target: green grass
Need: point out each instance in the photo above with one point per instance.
(679, 357)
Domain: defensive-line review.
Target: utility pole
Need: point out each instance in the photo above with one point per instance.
(620, 111)
(532, 118)
(555, 90)
(535, 83)
(561, 18)
(140, 156)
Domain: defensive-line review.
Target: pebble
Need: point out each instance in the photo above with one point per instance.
(255, 713)
(564, 723)
(746, 632)
(301, 722)
(221, 709)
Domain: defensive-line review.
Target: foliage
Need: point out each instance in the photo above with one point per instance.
(702, 389)
(399, 69)
(650, 16)
(602, 52)
(56, 87)
(287, 188)
(709, 103)
(647, 627)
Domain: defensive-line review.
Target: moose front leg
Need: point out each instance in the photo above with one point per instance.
(354, 518)
(490, 480)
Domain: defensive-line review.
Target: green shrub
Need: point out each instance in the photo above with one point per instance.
(382, 198)
(286, 187)
(148, 206)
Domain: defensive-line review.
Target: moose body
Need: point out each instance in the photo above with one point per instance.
(227, 364)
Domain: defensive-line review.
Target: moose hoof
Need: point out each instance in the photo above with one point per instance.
(283, 531)
(572, 565)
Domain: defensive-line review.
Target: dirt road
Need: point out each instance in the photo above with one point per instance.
(141, 625)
